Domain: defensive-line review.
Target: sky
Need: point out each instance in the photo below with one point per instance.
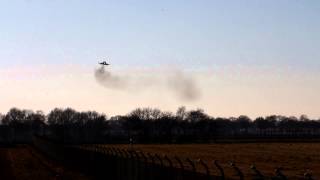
(247, 57)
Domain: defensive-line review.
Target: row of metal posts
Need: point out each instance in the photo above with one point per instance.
(121, 164)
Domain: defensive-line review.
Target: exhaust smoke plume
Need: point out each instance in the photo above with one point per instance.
(108, 80)
(177, 82)
(185, 87)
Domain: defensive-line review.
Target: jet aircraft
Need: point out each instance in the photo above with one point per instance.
(104, 63)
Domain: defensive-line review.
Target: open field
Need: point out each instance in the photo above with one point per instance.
(23, 162)
(294, 158)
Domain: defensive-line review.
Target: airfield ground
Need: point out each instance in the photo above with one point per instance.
(294, 158)
(24, 163)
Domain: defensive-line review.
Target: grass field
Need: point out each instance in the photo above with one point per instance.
(294, 158)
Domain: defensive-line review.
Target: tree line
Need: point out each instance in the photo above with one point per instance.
(149, 125)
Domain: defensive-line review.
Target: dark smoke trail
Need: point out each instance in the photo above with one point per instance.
(108, 80)
(185, 87)
(182, 85)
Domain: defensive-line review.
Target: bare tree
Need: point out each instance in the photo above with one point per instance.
(14, 117)
(181, 113)
(196, 115)
(146, 113)
(1, 117)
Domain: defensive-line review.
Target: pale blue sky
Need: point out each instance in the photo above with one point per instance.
(198, 33)
(253, 57)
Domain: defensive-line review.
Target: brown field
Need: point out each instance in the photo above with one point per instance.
(24, 163)
(294, 158)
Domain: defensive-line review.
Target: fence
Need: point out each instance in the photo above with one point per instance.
(122, 164)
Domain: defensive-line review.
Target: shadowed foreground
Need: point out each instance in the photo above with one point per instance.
(5, 169)
(24, 162)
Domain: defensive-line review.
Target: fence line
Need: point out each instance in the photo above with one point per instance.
(124, 164)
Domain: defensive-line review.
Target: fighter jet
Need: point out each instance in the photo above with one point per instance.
(104, 63)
